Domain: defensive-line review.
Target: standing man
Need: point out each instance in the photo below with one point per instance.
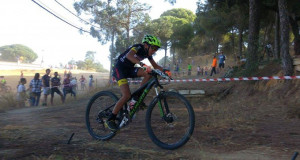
(222, 59)
(189, 69)
(213, 66)
(91, 81)
(55, 85)
(46, 86)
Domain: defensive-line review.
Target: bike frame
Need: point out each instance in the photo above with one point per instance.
(145, 90)
(142, 92)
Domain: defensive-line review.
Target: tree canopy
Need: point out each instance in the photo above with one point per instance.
(89, 63)
(15, 52)
(240, 28)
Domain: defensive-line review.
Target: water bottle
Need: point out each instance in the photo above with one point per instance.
(132, 103)
(131, 106)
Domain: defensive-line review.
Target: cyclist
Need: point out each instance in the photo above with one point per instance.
(124, 68)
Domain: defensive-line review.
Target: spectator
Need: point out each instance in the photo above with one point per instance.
(268, 50)
(222, 59)
(198, 70)
(177, 69)
(70, 73)
(82, 82)
(74, 85)
(22, 75)
(46, 86)
(91, 81)
(21, 93)
(55, 85)
(65, 73)
(189, 69)
(3, 83)
(213, 66)
(35, 87)
(206, 69)
(68, 86)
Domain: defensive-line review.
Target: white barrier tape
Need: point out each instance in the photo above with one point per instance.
(229, 79)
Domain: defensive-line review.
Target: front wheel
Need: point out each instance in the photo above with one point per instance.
(98, 110)
(170, 120)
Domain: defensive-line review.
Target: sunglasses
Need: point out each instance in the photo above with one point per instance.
(154, 48)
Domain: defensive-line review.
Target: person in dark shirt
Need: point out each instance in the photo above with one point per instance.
(68, 87)
(46, 86)
(55, 85)
(222, 59)
(124, 68)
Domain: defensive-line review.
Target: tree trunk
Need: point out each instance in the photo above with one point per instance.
(232, 41)
(253, 43)
(287, 62)
(112, 55)
(166, 49)
(295, 29)
(240, 42)
(277, 37)
(174, 60)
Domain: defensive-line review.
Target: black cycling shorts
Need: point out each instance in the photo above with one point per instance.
(122, 72)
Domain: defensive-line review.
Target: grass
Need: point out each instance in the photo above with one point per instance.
(7, 101)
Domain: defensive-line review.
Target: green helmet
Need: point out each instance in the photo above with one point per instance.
(152, 40)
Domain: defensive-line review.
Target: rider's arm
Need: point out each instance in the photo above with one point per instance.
(155, 65)
(131, 58)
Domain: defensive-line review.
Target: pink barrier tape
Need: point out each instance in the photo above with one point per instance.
(229, 79)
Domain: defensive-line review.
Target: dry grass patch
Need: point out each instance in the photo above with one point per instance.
(7, 101)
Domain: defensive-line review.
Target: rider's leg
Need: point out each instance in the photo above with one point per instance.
(125, 97)
(142, 73)
(110, 123)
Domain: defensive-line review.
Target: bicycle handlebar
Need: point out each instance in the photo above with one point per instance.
(160, 73)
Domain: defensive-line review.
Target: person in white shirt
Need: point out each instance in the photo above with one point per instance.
(21, 93)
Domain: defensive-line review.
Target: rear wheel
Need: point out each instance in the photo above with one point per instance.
(98, 110)
(171, 125)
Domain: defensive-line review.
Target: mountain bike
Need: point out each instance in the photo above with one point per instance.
(170, 118)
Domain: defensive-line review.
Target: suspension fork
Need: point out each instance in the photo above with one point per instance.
(160, 106)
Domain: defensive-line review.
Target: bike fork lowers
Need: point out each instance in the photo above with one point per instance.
(161, 110)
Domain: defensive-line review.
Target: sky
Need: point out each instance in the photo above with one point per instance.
(54, 41)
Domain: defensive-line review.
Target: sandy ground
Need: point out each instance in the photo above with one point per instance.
(257, 130)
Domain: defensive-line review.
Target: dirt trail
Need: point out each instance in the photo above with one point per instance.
(43, 132)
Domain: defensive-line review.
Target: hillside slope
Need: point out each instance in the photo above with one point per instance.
(234, 120)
